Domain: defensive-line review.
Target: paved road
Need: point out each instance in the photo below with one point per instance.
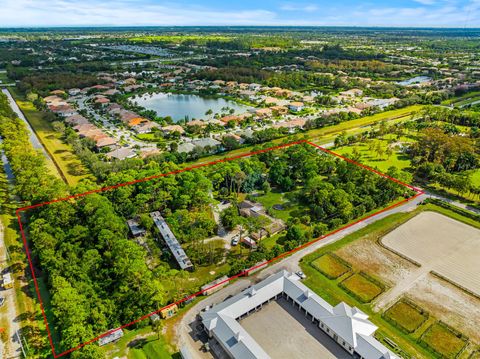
(290, 263)
(9, 311)
(454, 203)
(33, 137)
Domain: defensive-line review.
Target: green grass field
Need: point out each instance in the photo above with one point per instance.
(330, 266)
(275, 197)
(151, 348)
(140, 344)
(361, 287)
(406, 316)
(67, 163)
(327, 134)
(382, 161)
(400, 114)
(443, 341)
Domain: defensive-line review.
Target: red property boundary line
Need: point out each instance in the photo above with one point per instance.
(245, 272)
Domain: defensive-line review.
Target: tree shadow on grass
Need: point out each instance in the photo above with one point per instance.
(137, 343)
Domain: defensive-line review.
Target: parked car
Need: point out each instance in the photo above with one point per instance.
(301, 275)
(235, 240)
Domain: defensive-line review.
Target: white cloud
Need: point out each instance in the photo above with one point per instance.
(426, 2)
(299, 7)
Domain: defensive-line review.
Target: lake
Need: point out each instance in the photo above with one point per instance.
(179, 106)
(415, 80)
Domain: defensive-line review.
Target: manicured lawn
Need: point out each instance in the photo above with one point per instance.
(269, 242)
(367, 120)
(475, 177)
(140, 343)
(146, 136)
(406, 316)
(150, 348)
(330, 266)
(275, 197)
(67, 163)
(443, 340)
(361, 287)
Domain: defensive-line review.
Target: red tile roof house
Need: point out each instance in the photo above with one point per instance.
(197, 123)
(296, 123)
(173, 128)
(106, 142)
(279, 110)
(76, 120)
(102, 101)
(229, 118)
(63, 110)
(263, 112)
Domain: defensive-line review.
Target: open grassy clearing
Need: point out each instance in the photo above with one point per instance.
(360, 286)
(290, 206)
(406, 316)
(443, 340)
(330, 266)
(67, 163)
(140, 344)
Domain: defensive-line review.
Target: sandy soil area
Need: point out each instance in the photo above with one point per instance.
(440, 244)
(368, 256)
(443, 245)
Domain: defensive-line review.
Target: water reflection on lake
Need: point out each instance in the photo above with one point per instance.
(179, 106)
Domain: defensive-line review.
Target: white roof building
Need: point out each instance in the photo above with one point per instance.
(172, 242)
(348, 326)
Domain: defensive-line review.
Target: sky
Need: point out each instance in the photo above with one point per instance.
(417, 13)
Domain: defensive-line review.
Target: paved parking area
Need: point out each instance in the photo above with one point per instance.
(284, 333)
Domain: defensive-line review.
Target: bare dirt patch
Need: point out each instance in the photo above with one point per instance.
(368, 256)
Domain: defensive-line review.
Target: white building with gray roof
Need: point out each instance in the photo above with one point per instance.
(347, 326)
(171, 241)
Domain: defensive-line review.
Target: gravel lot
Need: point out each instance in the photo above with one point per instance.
(284, 333)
